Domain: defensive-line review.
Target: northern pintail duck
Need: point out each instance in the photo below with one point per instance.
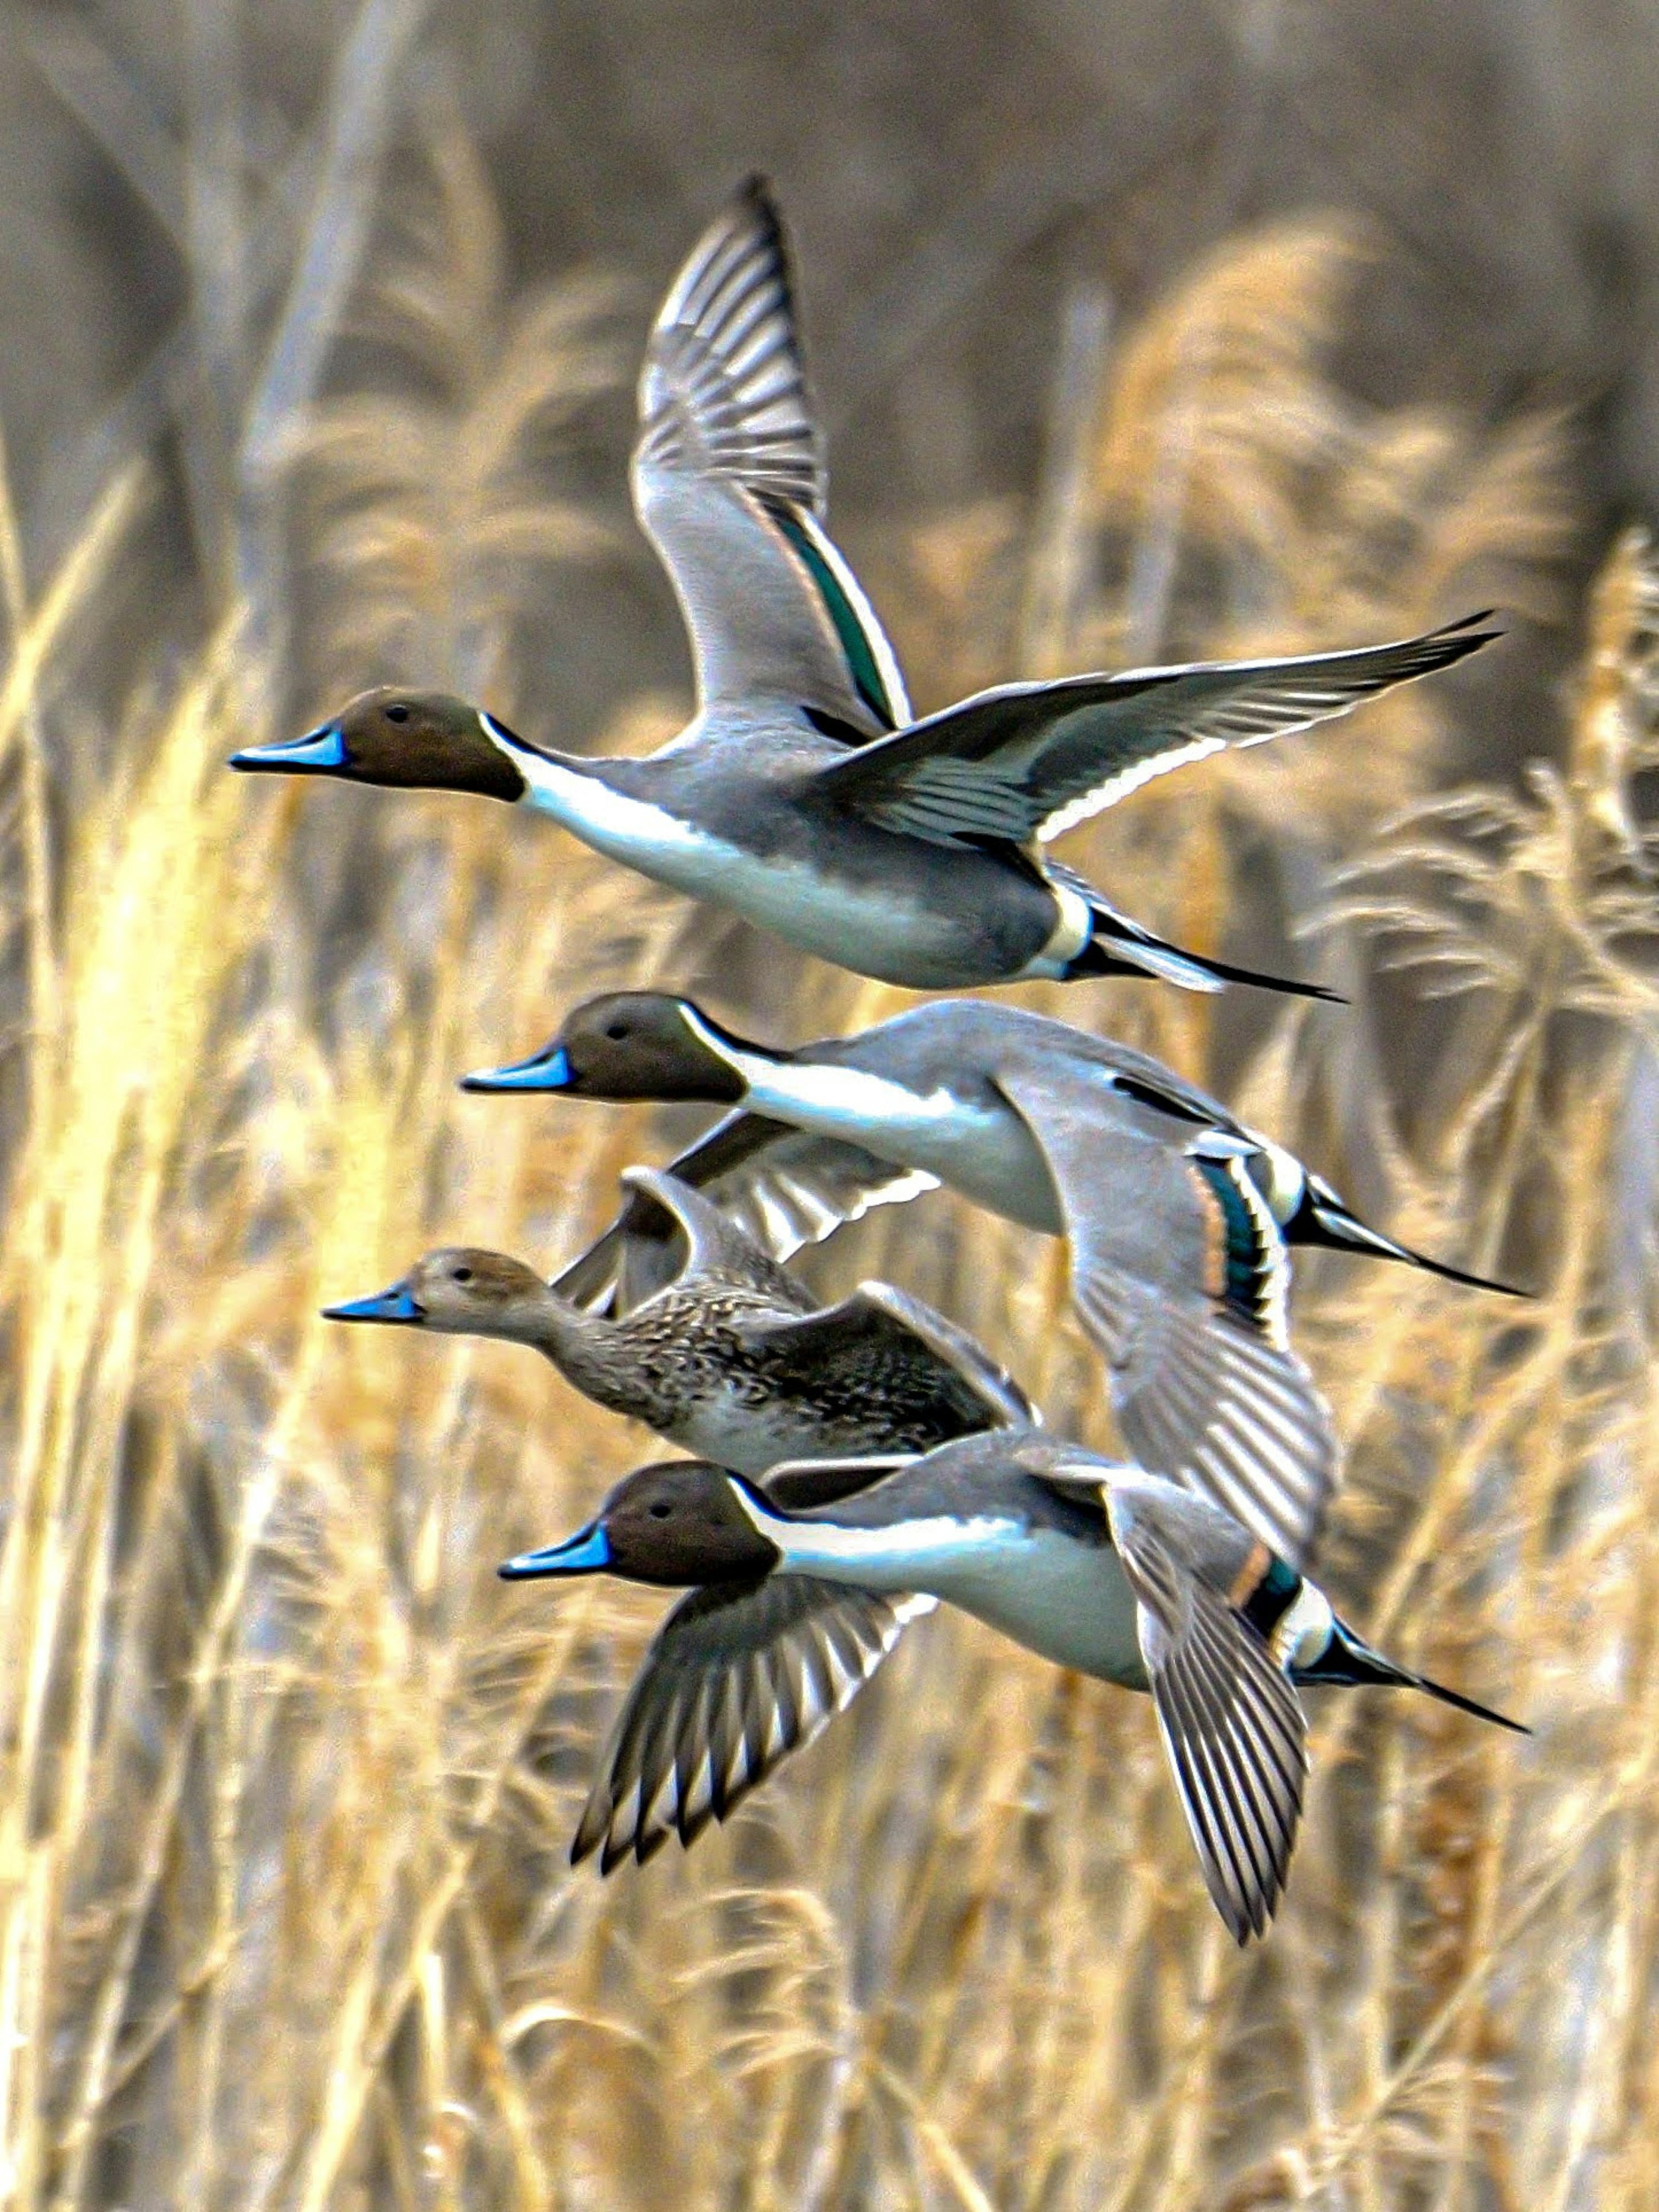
(1181, 1220)
(803, 1584)
(802, 794)
(715, 1347)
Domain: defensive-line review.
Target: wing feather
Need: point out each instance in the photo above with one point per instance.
(1031, 760)
(1231, 1723)
(729, 481)
(1179, 1274)
(786, 1189)
(735, 1679)
(931, 1371)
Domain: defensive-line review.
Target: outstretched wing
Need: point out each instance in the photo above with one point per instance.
(1180, 1274)
(735, 1679)
(1030, 760)
(729, 484)
(1231, 1723)
(785, 1187)
(922, 1360)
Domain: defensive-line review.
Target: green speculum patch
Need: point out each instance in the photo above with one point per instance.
(861, 664)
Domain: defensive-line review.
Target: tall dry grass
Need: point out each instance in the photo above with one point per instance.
(288, 1777)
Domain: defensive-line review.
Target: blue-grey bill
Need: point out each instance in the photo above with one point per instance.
(318, 752)
(584, 1553)
(395, 1304)
(542, 1071)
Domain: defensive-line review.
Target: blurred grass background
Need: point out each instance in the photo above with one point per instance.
(1140, 331)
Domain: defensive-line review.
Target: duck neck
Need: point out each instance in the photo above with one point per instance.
(584, 1347)
(943, 1555)
(832, 1100)
(607, 804)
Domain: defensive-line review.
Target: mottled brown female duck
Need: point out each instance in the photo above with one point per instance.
(716, 1348)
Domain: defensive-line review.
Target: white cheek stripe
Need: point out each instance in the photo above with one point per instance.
(741, 1063)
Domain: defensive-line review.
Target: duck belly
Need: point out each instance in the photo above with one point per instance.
(904, 913)
(888, 924)
(1068, 1601)
(1062, 1597)
(727, 1426)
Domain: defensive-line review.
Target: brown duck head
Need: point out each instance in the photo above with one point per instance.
(406, 740)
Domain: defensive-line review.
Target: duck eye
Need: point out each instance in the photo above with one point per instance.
(661, 1510)
(461, 1275)
(399, 714)
(617, 1030)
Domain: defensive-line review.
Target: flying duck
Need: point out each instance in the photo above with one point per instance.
(803, 794)
(715, 1347)
(802, 1585)
(1181, 1220)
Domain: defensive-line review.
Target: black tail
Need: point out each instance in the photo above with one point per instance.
(1458, 1274)
(1347, 1661)
(1118, 946)
(1323, 1220)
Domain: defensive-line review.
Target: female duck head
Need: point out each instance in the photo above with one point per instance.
(677, 1522)
(631, 1044)
(419, 740)
(461, 1291)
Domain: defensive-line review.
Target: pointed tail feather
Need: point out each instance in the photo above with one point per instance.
(1117, 947)
(1467, 1704)
(1348, 1661)
(1451, 1274)
(1323, 1220)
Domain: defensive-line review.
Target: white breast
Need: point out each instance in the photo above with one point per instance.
(871, 930)
(632, 830)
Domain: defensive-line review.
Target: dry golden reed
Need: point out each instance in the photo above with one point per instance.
(288, 1777)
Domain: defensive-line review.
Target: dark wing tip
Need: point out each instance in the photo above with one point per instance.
(611, 1855)
(592, 1830)
(756, 191)
(649, 1841)
(757, 199)
(1456, 640)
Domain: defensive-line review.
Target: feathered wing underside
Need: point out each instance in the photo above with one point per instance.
(876, 1316)
(1030, 760)
(723, 391)
(736, 1678)
(1231, 1723)
(1179, 1275)
(729, 484)
(641, 1253)
(784, 1188)
(714, 1248)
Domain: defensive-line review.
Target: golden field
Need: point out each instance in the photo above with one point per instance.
(289, 1777)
